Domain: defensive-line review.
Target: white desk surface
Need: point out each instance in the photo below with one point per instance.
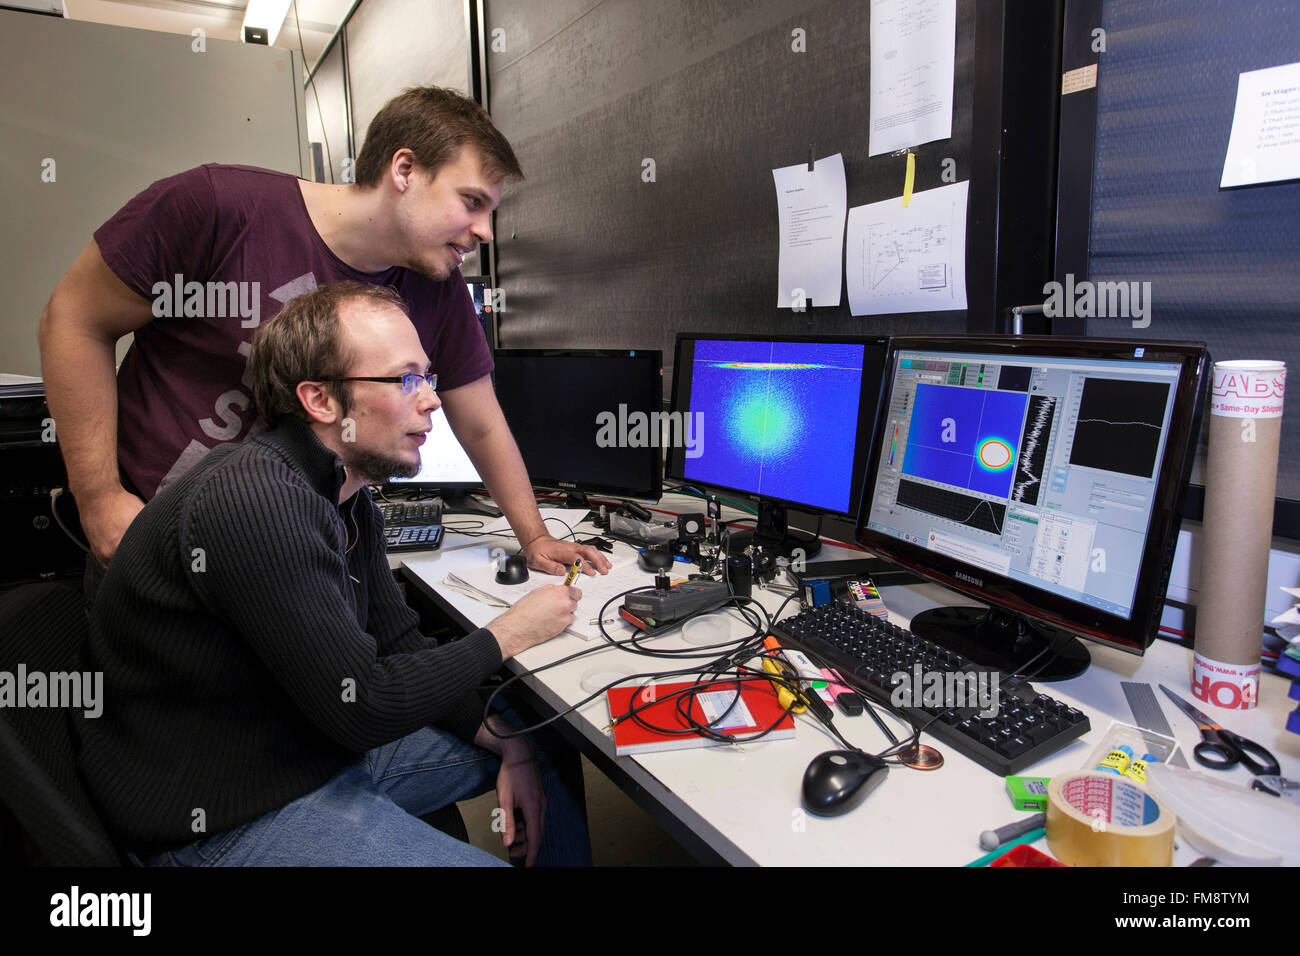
(743, 801)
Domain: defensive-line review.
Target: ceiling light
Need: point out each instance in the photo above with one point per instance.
(267, 16)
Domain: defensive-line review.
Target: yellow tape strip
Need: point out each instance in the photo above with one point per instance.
(911, 178)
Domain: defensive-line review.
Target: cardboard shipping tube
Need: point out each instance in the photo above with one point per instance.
(1245, 431)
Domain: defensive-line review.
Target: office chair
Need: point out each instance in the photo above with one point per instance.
(44, 626)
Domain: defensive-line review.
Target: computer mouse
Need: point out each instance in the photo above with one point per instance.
(652, 561)
(512, 569)
(838, 780)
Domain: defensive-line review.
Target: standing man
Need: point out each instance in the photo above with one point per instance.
(197, 261)
(267, 690)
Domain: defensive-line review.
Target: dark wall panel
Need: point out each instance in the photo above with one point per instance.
(1222, 263)
(589, 254)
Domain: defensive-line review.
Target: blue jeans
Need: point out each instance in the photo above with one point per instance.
(368, 814)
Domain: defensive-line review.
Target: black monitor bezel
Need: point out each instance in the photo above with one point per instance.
(676, 458)
(652, 490)
(1137, 632)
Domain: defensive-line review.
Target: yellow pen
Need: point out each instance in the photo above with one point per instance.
(785, 697)
(573, 572)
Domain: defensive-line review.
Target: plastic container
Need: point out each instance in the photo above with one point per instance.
(1231, 823)
(1025, 855)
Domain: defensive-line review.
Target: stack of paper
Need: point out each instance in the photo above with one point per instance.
(481, 584)
(20, 386)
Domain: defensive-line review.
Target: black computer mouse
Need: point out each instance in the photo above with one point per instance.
(838, 780)
(512, 570)
(652, 561)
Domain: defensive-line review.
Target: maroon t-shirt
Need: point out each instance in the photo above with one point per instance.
(193, 245)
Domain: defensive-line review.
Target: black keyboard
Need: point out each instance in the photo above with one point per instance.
(412, 525)
(868, 651)
(417, 537)
(411, 512)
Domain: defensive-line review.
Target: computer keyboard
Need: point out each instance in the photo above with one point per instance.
(868, 651)
(419, 537)
(412, 525)
(411, 512)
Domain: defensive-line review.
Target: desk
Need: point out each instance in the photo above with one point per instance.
(740, 805)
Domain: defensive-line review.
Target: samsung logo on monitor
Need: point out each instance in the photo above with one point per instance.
(969, 579)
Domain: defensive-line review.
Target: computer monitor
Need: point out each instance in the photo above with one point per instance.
(480, 293)
(443, 462)
(444, 467)
(1041, 476)
(785, 421)
(586, 420)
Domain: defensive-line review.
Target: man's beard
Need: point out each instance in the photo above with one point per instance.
(438, 273)
(379, 468)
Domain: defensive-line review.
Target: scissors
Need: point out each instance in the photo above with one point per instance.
(1221, 749)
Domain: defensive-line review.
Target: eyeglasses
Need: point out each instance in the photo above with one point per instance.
(409, 382)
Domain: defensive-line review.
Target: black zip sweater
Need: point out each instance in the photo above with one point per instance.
(253, 643)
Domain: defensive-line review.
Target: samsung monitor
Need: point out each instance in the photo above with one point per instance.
(586, 420)
(1041, 476)
(785, 421)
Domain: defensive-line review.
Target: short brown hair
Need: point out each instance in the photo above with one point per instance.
(434, 124)
(303, 342)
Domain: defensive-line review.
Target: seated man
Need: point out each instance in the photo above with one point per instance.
(267, 693)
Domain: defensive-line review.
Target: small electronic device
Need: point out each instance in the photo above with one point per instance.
(690, 527)
(653, 560)
(652, 611)
(634, 510)
(738, 574)
(839, 780)
(512, 569)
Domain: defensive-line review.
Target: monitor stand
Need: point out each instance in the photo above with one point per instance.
(458, 501)
(995, 638)
(773, 533)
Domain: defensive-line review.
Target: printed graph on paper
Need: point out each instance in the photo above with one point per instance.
(922, 249)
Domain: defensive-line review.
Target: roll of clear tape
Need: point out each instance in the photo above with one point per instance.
(1098, 819)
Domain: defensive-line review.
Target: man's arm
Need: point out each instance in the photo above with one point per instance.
(475, 418)
(91, 309)
(273, 570)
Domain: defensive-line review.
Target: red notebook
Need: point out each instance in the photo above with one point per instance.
(756, 710)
